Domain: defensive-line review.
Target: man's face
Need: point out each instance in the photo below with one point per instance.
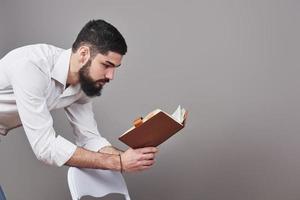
(98, 71)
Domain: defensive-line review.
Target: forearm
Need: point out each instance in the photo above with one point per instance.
(132, 159)
(111, 150)
(83, 158)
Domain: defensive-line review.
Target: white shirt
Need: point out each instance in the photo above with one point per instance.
(33, 83)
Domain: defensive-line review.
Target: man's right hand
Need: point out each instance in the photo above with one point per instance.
(138, 159)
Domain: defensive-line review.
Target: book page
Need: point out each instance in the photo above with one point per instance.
(178, 115)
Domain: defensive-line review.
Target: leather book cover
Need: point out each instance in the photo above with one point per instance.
(152, 132)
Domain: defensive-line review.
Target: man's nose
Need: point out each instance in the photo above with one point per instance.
(110, 73)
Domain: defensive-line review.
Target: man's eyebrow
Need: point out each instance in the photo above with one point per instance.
(112, 64)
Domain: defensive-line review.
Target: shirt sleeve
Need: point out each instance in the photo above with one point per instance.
(30, 85)
(81, 117)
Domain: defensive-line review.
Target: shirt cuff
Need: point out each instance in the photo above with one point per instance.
(64, 151)
(96, 144)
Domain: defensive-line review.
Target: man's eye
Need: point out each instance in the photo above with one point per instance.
(106, 66)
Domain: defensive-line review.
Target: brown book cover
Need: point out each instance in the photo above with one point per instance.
(153, 130)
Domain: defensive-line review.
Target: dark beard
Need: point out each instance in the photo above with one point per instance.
(88, 85)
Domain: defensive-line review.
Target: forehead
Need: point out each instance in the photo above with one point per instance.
(111, 57)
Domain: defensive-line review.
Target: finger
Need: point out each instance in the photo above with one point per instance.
(144, 168)
(148, 162)
(148, 156)
(148, 150)
(185, 117)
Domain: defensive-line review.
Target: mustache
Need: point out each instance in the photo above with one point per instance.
(104, 80)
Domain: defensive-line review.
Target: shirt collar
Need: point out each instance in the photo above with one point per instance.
(61, 67)
(60, 73)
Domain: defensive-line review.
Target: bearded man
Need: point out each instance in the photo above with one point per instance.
(37, 79)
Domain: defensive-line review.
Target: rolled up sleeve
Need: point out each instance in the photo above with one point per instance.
(81, 117)
(29, 86)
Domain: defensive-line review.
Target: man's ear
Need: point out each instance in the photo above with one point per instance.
(84, 54)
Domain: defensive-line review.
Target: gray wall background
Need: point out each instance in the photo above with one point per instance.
(233, 64)
(3, 26)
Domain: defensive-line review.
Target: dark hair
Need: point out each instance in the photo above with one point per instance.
(101, 37)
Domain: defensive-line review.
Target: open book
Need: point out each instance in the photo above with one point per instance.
(154, 129)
